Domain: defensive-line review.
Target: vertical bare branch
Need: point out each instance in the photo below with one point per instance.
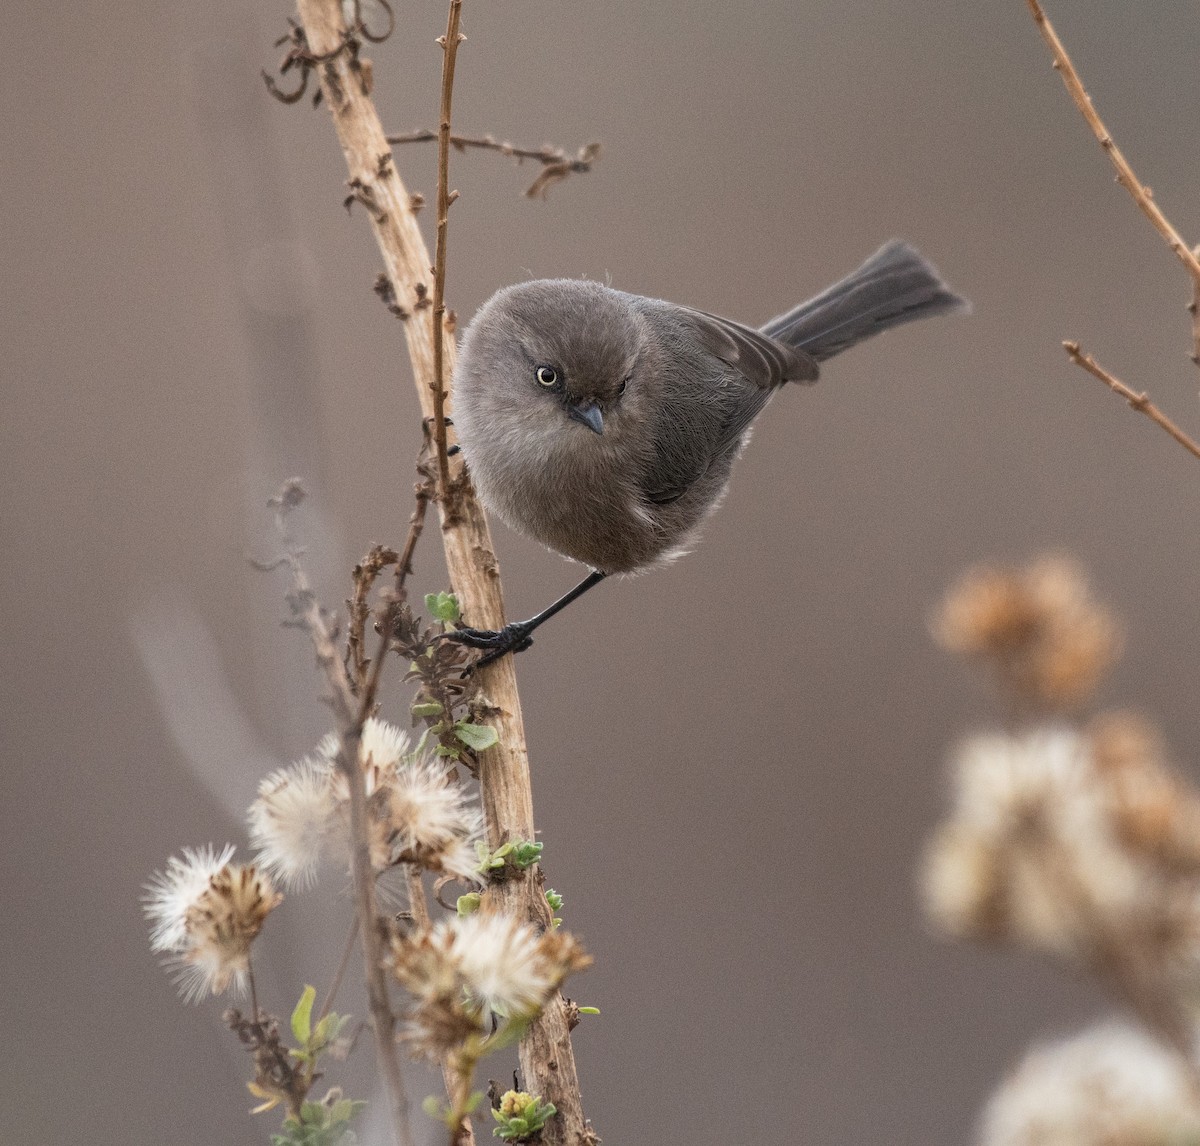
(547, 1059)
(449, 42)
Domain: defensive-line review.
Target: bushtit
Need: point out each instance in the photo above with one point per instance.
(605, 424)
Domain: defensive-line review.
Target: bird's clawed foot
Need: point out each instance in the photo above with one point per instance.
(513, 638)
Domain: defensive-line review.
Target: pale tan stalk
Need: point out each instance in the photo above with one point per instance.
(547, 1060)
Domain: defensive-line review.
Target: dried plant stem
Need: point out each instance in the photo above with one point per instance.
(351, 714)
(449, 42)
(547, 1059)
(422, 492)
(340, 973)
(556, 163)
(1139, 402)
(419, 906)
(1141, 194)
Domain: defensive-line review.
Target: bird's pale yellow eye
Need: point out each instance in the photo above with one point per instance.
(547, 376)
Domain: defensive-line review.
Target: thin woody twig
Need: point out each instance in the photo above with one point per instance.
(423, 492)
(340, 973)
(449, 42)
(365, 574)
(1140, 402)
(556, 163)
(1142, 195)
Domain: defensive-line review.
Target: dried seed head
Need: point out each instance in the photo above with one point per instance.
(1029, 851)
(293, 818)
(1154, 810)
(466, 969)
(508, 967)
(432, 819)
(416, 812)
(207, 928)
(988, 611)
(170, 893)
(1049, 641)
(1112, 1084)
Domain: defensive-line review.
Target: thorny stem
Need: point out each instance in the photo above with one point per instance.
(547, 1058)
(449, 42)
(340, 973)
(422, 492)
(1142, 195)
(1139, 402)
(366, 572)
(350, 715)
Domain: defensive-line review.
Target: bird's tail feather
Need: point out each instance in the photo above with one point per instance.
(895, 285)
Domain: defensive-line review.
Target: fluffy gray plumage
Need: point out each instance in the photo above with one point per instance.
(605, 424)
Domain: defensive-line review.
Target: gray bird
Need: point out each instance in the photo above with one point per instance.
(605, 425)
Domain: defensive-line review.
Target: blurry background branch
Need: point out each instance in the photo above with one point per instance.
(546, 1055)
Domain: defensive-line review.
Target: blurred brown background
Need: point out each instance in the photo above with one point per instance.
(735, 760)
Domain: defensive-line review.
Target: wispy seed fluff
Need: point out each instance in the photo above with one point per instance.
(1030, 851)
(1112, 1085)
(466, 969)
(416, 811)
(205, 913)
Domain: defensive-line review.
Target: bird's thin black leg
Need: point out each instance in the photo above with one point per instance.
(517, 636)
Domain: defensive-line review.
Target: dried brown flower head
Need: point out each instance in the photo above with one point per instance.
(1048, 640)
(206, 912)
(1155, 811)
(465, 970)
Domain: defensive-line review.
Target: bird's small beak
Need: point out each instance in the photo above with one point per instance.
(589, 414)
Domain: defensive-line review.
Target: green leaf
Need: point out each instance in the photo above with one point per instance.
(442, 750)
(468, 904)
(554, 899)
(433, 708)
(589, 1010)
(443, 607)
(302, 1016)
(525, 853)
(326, 1031)
(476, 736)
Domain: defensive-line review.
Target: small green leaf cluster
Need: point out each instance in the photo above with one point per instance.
(555, 901)
(321, 1123)
(521, 1115)
(314, 1039)
(517, 854)
(443, 606)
